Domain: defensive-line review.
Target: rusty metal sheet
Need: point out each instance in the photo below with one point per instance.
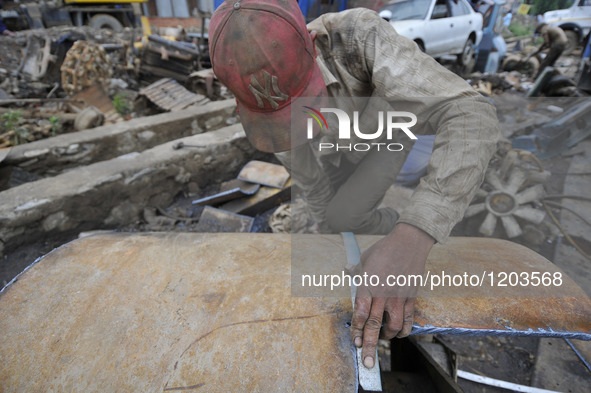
(266, 198)
(553, 311)
(163, 312)
(216, 220)
(169, 95)
(96, 96)
(229, 190)
(264, 173)
(546, 311)
(171, 312)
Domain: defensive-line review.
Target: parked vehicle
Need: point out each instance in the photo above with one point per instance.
(575, 21)
(109, 14)
(439, 27)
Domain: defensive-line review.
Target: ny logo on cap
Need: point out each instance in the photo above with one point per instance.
(261, 92)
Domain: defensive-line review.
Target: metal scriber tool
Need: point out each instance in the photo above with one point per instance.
(369, 378)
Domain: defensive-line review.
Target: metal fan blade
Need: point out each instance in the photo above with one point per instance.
(473, 210)
(530, 214)
(493, 179)
(530, 194)
(481, 193)
(488, 225)
(511, 226)
(510, 159)
(516, 180)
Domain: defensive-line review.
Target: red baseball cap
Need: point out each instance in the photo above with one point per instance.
(262, 51)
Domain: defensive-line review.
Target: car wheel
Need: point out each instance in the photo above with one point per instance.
(421, 46)
(467, 59)
(104, 21)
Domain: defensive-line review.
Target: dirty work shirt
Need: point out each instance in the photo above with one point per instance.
(555, 35)
(557, 40)
(360, 55)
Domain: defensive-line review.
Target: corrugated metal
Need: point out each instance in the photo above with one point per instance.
(169, 95)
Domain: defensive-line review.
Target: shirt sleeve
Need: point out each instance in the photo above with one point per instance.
(465, 123)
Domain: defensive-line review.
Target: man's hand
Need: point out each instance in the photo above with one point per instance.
(402, 252)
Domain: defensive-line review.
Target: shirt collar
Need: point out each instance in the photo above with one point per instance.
(329, 78)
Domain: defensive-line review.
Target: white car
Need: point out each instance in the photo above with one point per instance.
(439, 27)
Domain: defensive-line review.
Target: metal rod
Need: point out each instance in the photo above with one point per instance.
(501, 384)
(508, 332)
(580, 355)
(35, 100)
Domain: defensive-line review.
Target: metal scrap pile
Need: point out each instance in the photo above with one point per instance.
(243, 204)
(519, 68)
(65, 79)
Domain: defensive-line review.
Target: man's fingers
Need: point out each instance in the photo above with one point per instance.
(371, 331)
(360, 315)
(409, 310)
(393, 317)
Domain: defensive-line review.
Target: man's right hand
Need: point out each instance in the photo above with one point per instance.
(402, 252)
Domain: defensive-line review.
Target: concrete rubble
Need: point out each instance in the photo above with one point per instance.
(114, 192)
(62, 152)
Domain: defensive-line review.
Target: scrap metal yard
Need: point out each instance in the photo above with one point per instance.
(147, 246)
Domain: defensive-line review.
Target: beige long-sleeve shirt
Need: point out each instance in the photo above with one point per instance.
(554, 35)
(360, 55)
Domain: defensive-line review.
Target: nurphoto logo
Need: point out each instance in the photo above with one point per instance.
(394, 122)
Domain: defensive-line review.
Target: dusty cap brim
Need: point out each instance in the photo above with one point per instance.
(276, 131)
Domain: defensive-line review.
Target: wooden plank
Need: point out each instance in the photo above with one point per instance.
(264, 173)
(558, 368)
(216, 220)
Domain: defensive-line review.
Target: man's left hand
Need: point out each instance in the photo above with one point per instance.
(403, 252)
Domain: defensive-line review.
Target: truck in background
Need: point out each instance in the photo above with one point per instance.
(109, 14)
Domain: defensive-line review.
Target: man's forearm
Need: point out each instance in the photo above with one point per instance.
(413, 235)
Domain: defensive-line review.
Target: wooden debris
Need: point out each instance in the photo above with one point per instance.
(216, 220)
(264, 173)
(96, 96)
